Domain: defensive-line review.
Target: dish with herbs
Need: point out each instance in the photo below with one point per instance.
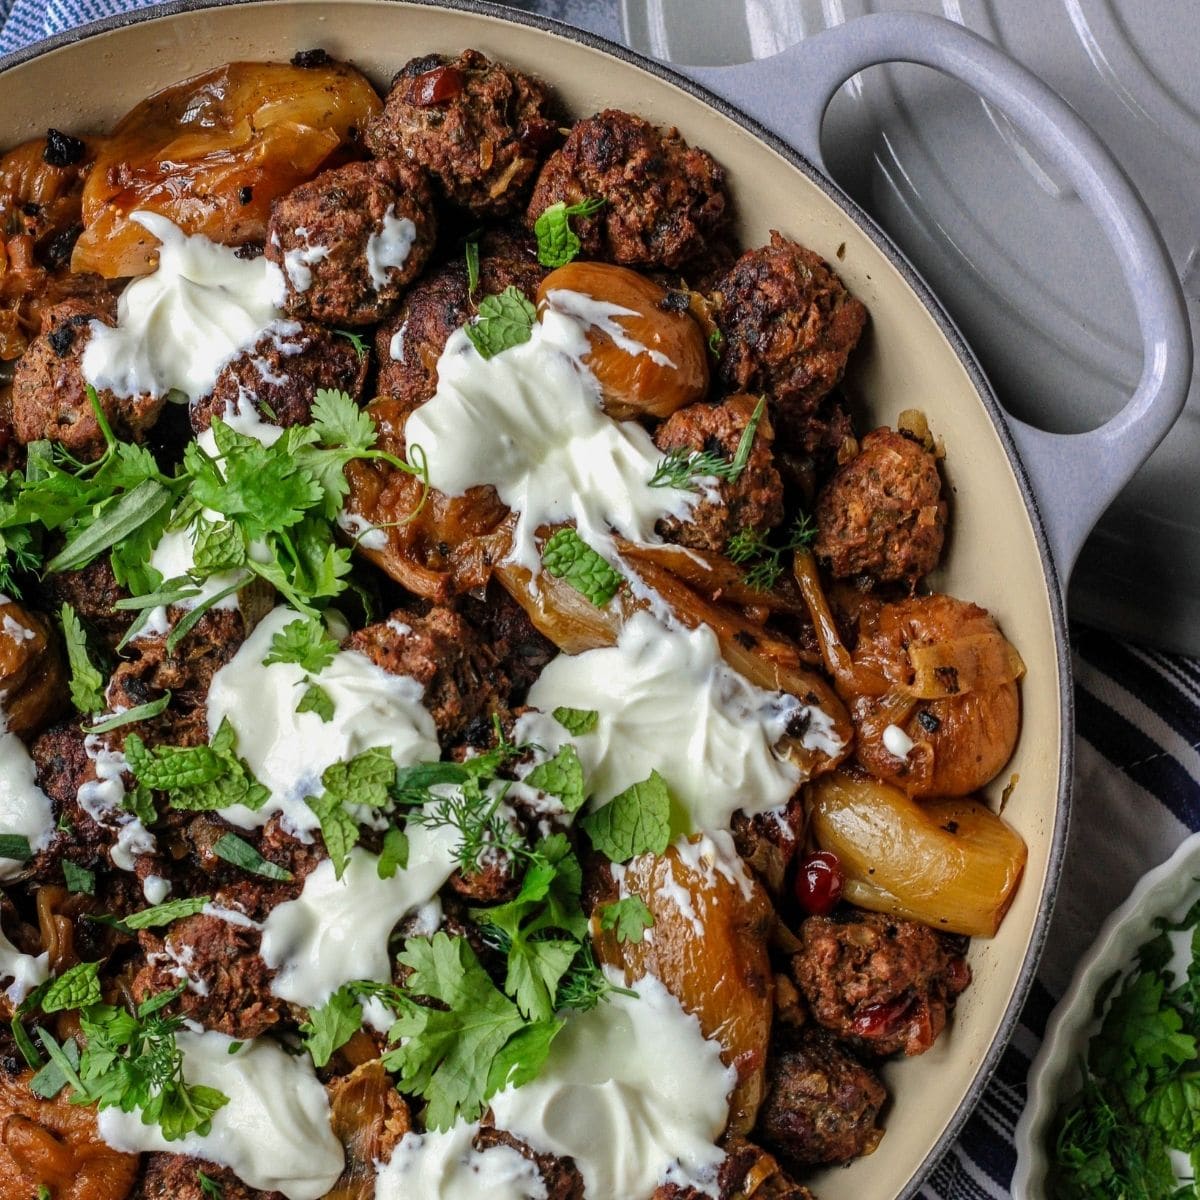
(473, 720)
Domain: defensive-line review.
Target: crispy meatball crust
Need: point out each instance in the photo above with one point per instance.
(175, 1177)
(331, 237)
(477, 127)
(560, 1175)
(821, 1104)
(461, 675)
(281, 375)
(752, 501)
(409, 344)
(91, 591)
(665, 201)
(886, 984)
(788, 325)
(882, 514)
(49, 396)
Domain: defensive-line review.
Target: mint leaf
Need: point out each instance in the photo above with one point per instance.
(196, 778)
(331, 1026)
(87, 684)
(239, 853)
(567, 556)
(638, 821)
(316, 700)
(305, 642)
(576, 721)
(219, 546)
(628, 917)
(339, 830)
(560, 777)
(394, 855)
(502, 322)
(74, 988)
(557, 242)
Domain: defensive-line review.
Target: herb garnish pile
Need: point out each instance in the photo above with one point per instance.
(1140, 1097)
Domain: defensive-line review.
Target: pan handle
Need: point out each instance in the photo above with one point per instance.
(1075, 476)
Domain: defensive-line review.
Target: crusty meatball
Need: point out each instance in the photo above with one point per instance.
(49, 398)
(229, 984)
(560, 1176)
(176, 1177)
(821, 1104)
(664, 201)
(31, 671)
(409, 344)
(768, 841)
(882, 514)
(885, 983)
(747, 1173)
(477, 127)
(461, 675)
(788, 325)
(351, 240)
(752, 501)
(523, 651)
(91, 591)
(281, 375)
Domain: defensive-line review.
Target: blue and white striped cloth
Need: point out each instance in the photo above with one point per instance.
(1137, 790)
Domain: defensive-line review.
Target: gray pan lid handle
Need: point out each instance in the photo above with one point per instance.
(1074, 476)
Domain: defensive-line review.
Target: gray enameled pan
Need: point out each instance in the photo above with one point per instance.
(1022, 500)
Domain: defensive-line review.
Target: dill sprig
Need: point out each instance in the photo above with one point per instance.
(684, 469)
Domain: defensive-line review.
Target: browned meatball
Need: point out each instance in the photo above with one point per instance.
(461, 675)
(351, 240)
(788, 325)
(92, 591)
(768, 841)
(281, 375)
(821, 1104)
(884, 982)
(882, 514)
(477, 127)
(409, 344)
(31, 672)
(492, 883)
(747, 1173)
(230, 985)
(49, 397)
(752, 501)
(560, 1175)
(522, 650)
(664, 201)
(176, 1177)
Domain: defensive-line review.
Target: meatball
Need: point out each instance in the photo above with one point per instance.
(477, 127)
(409, 344)
(186, 672)
(461, 675)
(49, 398)
(351, 240)
(177, 1177)
(788, 325)
(747, 1173)
(92, 591)
(821, 1104)
(883, 514)
(754, 500)
(664, 201)
(31, 671)
(560, 1175)
(281, 375)
(884, 982)
(768, 841)
(229, 985)
(522, 650)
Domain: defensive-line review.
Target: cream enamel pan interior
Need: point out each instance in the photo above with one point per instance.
(908, 359)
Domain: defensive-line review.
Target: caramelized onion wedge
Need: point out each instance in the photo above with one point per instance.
(650, 359)
(709, 948)
(212, 153)
(974, 663)
(369, 1117)
(951, 864)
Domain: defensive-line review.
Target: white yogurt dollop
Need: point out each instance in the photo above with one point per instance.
(178, 326)
(25, 810)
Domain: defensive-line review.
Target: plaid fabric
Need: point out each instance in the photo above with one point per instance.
(1137, 790)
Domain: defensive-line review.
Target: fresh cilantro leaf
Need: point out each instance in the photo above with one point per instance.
(561, 777)
(240, 853)
(331, 1026)
(394, 853)
(638, 821)
(79, 880)
(305, 642)
(683, 469)
(157, 915)
(87, 684)
(535, 969)
(316, 700)
(74, 988)
(339, 422)
(576, 721)
(209, 1186)
(628, 917)
(445, 1055)
(15, 846)
(557, 243)
(521, 1059)
(503, 321)
(356, 340)
(567, 556)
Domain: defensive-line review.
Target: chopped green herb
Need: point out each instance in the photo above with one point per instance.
(472, 256)
(628, 917)
(140, 712)
(576, 721)
(159, 914)
(567, 556)
(50, 1079)
(331, 1026)
(394, 853)
(240, 853)
(503, 321)
(683, 469)
(561, 777)
(209, 1186)
(15, 846)
(316, 700)
(638, 821)
(356, 340)
(87, 684)
(764, 561)
(74, 988)
(367, 779)
(78, 879)
(716, 339)
(557, 243)
(305, 642)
